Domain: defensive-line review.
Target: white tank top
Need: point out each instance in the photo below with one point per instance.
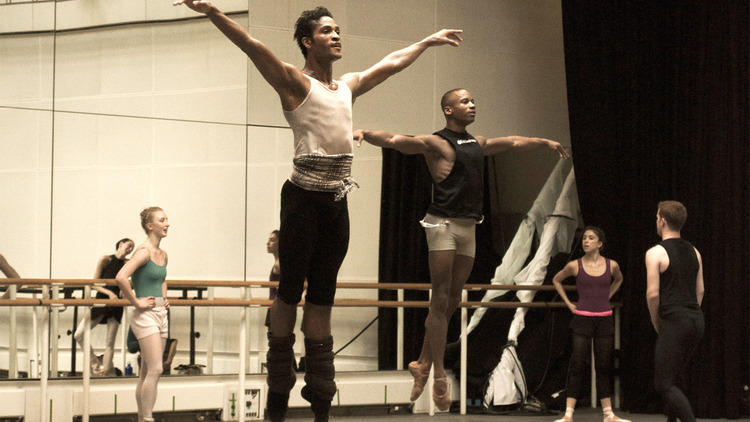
(322, 128)
(322, 124)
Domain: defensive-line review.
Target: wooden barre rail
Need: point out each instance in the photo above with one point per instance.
(220, 283)
(229, 302)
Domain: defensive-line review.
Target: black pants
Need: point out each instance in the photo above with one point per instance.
(679, 333)
(313, 240)
(601, 330)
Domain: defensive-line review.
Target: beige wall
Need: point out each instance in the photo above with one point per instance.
(173, 114)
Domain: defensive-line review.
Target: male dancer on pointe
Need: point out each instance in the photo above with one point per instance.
(674, 292)
(455, 160)
(314, 231)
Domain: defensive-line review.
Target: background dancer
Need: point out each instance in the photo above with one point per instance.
(148, 268)
(107, 267)
(674, 292)
(597, 280)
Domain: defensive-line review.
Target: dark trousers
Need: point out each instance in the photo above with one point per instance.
(585, 329)
(679, 334)
(313, 240)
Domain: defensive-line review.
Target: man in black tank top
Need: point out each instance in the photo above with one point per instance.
(674, 293)
(455, 160)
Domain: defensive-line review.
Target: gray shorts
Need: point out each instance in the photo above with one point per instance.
(450, 234)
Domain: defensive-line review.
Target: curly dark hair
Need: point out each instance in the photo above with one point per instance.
(306, 25)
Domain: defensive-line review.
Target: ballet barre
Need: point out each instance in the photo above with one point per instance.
(51, 301)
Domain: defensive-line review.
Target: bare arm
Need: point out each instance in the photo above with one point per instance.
(568, 271)
(6, 268)
(653, 258)
(140, 257)
(287, 80)
(164, 284)
(505, 143)
(361, 82)
(699, 290)
(405, 144)
(617, 277)
(9, 272)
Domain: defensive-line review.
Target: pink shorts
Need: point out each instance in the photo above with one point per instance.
(150, 321)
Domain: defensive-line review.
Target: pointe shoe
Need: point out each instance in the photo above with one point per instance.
(442, 401)
(614, 418)
(565, 419)
(420, 379)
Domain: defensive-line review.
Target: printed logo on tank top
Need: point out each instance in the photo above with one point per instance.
(466, 141)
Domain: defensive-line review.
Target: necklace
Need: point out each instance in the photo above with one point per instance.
(331, 85)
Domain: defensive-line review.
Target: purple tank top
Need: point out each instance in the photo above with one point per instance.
(593, 292)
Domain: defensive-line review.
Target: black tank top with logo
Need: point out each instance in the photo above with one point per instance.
(677, 283)
(460, 195)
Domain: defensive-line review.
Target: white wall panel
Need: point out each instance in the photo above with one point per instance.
(26, 69)
(23, 17)
(25, 151)
(195, 102)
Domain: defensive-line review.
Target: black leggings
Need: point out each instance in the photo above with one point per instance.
(584, 329)
(679, 334)
(313, 240)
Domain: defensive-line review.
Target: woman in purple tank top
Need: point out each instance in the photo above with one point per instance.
(597, 280)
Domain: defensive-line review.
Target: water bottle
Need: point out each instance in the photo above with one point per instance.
(128, 370)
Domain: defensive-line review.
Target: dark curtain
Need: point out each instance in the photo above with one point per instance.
(658, 102)
(405, 197)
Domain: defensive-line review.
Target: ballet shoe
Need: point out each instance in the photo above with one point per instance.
(565, 419)
(420, 379)
(442, 401)
(613, 418)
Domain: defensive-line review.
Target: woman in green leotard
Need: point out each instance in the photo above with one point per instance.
(148, 269)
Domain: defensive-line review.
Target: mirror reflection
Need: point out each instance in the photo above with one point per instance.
(109, 107)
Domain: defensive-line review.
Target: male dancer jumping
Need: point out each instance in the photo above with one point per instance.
(674, 292)
(314, 231)
(455, 160)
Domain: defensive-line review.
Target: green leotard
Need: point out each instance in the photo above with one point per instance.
(148, 278)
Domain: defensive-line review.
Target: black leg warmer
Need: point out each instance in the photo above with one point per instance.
(281, 377)
(319, 386)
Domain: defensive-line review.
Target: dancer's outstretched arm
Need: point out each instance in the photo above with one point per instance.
(288, 81)
(9, 272)
(505, 143)
(419, 144)
(6, 268)
(361, 82)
